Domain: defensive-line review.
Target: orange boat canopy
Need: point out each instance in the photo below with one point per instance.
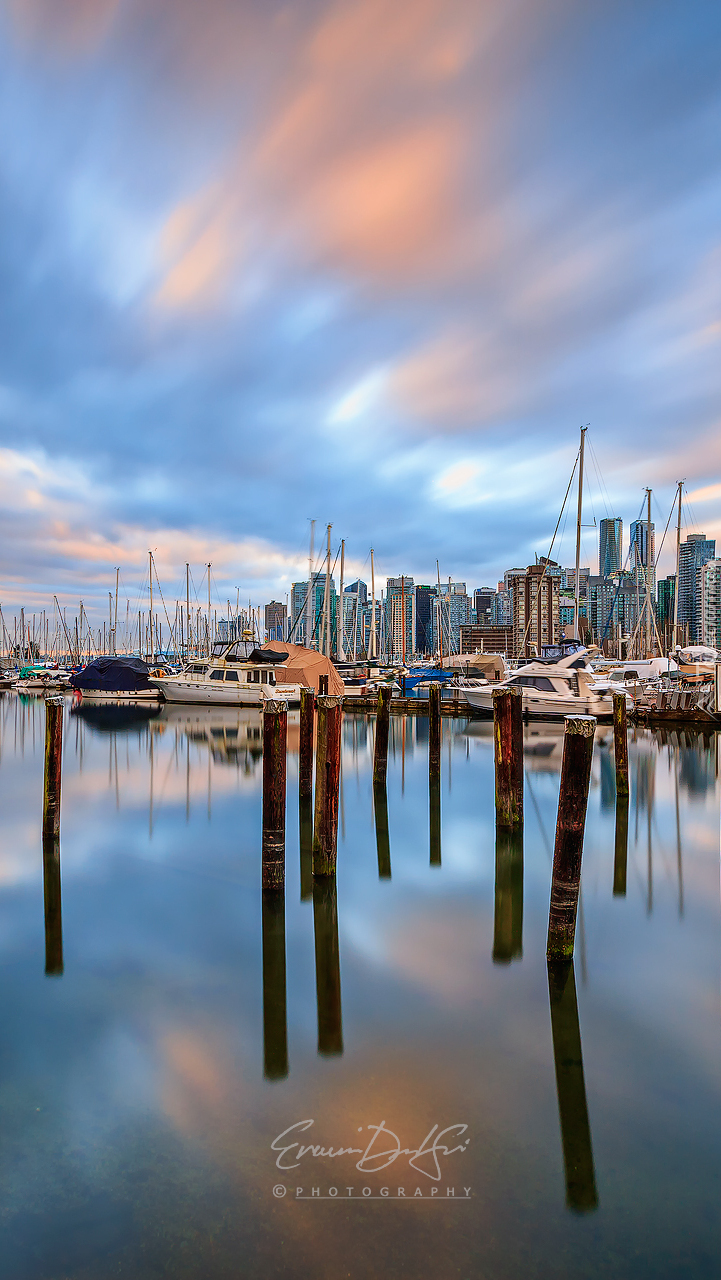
(304, 666)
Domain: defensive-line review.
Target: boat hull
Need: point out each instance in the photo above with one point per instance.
(119, 695)
(221, 694)
(546, 706)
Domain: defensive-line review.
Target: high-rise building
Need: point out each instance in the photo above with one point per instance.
(568, 579)
(360, 589)
(483, 605)
(501, 608)
(298, 612)
(695, 552)
(665, 593)
(536, 617)
(642, 548)
(451, 610)
(400, 617)
(276, 621)
(710, 603)
(610, 547)
(424, 610)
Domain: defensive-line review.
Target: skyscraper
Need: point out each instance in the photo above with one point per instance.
(695, 552)
(400, 617)
(710, 604)
(276, 616)
(610, 547)
(424, 629)
(536, 605)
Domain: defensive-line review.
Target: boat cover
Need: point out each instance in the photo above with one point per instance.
(122, 675)
(304, 666)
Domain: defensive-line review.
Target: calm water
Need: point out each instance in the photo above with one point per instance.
(139, 1097)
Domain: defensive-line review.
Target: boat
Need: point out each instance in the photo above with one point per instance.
(238, 674)
(552, 690)
(114, 679)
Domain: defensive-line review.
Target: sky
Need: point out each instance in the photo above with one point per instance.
(368, 262)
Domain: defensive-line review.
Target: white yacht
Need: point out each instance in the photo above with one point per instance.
(236, 674)
(552, 689)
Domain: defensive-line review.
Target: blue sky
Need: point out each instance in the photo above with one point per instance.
(372, 263)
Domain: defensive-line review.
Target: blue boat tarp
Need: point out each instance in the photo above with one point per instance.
(113, 675)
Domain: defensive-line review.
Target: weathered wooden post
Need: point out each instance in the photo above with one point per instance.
(508, 751)
(327, 782)
(275, 1025)
(572, 802)
(305, 758)
(620, 855)
(322, 686)
(383, 844)
(275, 734)
(380, 751)
(53, 765)
(508, 898)
(620, 743)
(581, 1192)
(327, 966)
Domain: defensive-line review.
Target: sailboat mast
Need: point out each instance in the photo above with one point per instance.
(648, 573)
(340, 646)
(440, 615)
(577, 610)
(326, 599)
(150, 629)
(678, 567)
(373, 607)
(187, 611)
(208, 610)
(115, 623)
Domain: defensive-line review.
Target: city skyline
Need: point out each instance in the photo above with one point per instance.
(293, 271)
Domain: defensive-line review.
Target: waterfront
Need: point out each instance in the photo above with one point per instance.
(136, 1116)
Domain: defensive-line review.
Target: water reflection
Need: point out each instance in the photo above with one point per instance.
(275, 1023)
(157, 1073)
(572, 1108)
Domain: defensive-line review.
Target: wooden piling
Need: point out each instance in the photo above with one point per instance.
(508, 897)
(307, 725)
(508, 752)
(327, 967)
(275, 1023)
(581, 1194)
(53, 906)
(434, 731)
(275, 734)
(572, 802)
(380, 752)
(53, 766)
(327, 783)
(620, 856)
(322, 686)
(620, 743)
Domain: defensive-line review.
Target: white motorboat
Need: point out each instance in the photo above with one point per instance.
(236, 674)
(551, 690)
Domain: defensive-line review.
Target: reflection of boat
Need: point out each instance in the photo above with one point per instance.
(109, 717)
(542, 744)
(228, 731)
(550, 689)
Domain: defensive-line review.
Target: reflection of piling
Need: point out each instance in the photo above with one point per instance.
(275, 733)
(383, 844)
(275, 1028)
(53, 766)
(327, 782)
(434, 771)
(508, 913)
(305, 816)
(572, 802)
(380, 751)
(572, 1109)
(327, 966)
(305, 759)
(621, 847)
(620, 743)
(53, 906)
(508, 750)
